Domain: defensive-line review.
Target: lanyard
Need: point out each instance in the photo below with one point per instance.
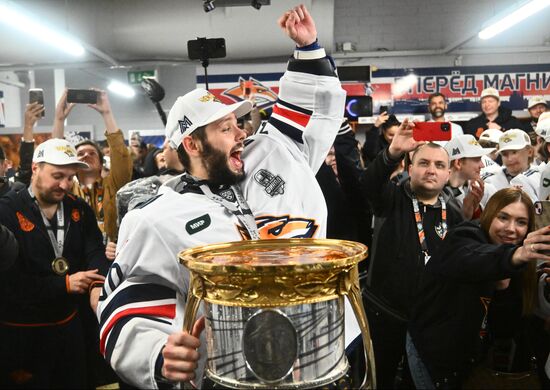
(58, 240)
(420, 226)
(230, 198)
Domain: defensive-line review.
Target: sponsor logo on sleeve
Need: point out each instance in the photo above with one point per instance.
(198, 224)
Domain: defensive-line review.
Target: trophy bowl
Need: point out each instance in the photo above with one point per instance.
(275, 310)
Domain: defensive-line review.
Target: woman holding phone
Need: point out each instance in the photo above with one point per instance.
(449, 323)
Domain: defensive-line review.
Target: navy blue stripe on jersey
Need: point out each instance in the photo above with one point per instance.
(287, 130)
(294, 107)
(115, 332)
(136, 293)
(319, 67)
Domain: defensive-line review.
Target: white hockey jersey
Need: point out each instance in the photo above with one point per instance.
(145, 292)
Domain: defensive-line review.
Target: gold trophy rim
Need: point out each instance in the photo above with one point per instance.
(191, 258)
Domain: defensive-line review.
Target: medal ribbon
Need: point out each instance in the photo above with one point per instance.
(238, 208)
(420, 226)
(58, 240)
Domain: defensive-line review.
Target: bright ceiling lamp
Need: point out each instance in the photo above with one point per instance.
(121, 89)
(19, 19)
(521, 13)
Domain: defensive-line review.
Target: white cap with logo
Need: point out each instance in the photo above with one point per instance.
(465, 146)
(198, 108)
(491, 135)
(513, 139)
(490, 92)
(543, 126)
(57, 151)
(536, 100)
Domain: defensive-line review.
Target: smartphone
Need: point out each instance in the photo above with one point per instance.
(432, 131)
(37, 95)
(384, 109)
(88, 96)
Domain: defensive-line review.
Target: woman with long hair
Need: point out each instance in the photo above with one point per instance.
(449, 323)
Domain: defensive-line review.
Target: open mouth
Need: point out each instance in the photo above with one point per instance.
(236, 160)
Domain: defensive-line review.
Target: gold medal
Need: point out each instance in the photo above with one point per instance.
(60, 266)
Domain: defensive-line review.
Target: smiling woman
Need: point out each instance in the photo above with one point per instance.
(474, 263)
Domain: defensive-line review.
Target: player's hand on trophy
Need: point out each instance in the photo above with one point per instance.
(299, 25)
(180, 354)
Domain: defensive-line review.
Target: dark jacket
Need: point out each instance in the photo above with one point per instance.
(505, 119)
(8, 248)
(454, 298)
(32, 293)
(373, 145)
(396, 258)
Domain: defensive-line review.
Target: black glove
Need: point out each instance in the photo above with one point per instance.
(8, 247)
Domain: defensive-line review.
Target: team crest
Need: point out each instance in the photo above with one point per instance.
(440, 231)
(228, 195)
(263, 96)
(75, 215)
(25, 224)
(273, 184)
(284, 226)
(209, 97)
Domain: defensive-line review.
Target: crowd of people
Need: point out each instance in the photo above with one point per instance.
(455, 285)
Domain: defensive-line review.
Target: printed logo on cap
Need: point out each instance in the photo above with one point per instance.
(65, 149)
(456, 151)
(209, 97)
(508, 138)
(40, 153)
(185, 123)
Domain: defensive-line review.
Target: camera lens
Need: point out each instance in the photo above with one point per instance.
(445, 127)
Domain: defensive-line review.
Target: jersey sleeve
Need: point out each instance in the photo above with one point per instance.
(142, 300)
(310, 106)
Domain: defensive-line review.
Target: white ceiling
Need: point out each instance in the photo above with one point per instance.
(134, 32)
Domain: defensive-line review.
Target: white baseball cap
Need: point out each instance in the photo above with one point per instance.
(543, 126)
(491, 135)
(465, 146)
(57, 151)
(198, 108)
(536, 100)
(490, 92)
(513, 139)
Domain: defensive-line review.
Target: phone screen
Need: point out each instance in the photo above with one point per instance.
(37, 95)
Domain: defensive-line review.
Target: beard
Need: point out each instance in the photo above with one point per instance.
(437, 113)
(217, 166)
(48, 195)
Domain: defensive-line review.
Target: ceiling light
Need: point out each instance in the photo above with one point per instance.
(208, 5)
(513, 18)
(121, 89)
(17, 18)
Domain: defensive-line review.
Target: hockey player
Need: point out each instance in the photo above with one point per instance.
(263, 187)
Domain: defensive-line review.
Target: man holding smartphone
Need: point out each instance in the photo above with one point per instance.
(99, 192)
(411, 220)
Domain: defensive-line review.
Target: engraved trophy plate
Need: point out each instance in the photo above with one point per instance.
(270, 345)
(275, 310)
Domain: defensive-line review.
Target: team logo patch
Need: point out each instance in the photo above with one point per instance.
(198, 224)
(440, 231)
(273, 184)
(40, 153)
(228, 195)
(185, 123)
(25, 224)
(456, 151)
(75, 215)
(284, 226)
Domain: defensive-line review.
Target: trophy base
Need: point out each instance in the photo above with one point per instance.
(337, 382)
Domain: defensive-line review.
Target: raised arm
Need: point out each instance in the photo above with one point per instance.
(33, 112)
(62, 111)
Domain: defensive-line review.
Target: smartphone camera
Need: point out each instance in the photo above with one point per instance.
(445, 127)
